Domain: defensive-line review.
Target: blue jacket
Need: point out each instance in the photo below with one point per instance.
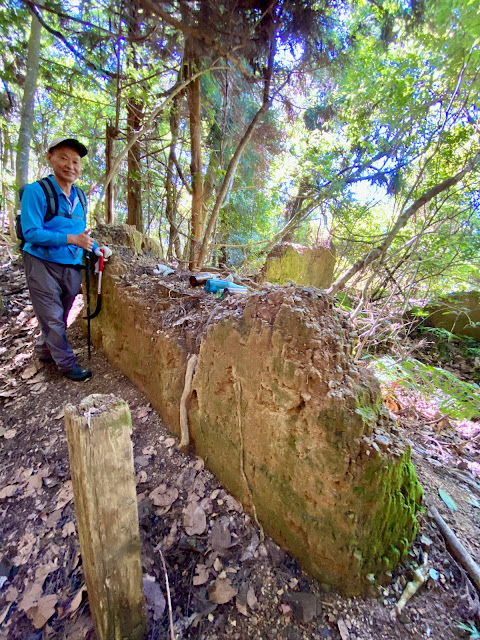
(48, 240)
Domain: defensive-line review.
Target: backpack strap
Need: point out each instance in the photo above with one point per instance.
(83, 199)
(51, 197)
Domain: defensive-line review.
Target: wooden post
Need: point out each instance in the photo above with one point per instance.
(101, 465)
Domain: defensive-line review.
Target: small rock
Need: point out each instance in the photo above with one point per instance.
(383, 442)
(293, 634)
(426, 543)
(324, 632)
(342, 627)
(304, 605)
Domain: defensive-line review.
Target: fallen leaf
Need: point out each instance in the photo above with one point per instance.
(65, 495)
(250, 550)
(167, 543)
(31, 596)
(4, 613)
(59, 415)
(232, 504)
(199, 486)
(149, 451)
(217, 565)
(68, 529)
(221, 591)
(220, 538)
(25, 549)
(75, 603)
(11, 594)
(194, 519)
(29, 372)
(53, 519)
(154, 597)
(169, 442)
(8, 491)
(43, 611)
(142, 412)
(7, 394)
(203, 575)
(252, 598)
(141, 477)
(447, 499)
(241, 607)
(163, 496)
(44, 570)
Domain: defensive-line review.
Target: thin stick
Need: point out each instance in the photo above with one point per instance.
(187, 391)
(169, 600)
(457, 549)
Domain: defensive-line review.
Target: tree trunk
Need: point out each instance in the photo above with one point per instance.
(134, 119)
(294, 205)
(28, 106)
(134, 180)
(170, 188)
(194, 106)
(110, 135)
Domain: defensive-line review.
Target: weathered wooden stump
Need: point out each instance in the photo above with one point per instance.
(101, 464)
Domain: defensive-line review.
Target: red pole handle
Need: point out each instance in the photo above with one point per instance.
(101, 260)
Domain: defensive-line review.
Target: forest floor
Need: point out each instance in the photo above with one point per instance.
(226, 582)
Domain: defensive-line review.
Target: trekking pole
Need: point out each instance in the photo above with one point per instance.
(99, 271)
(87, 282)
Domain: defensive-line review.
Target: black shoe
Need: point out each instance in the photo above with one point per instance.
(77, 373)
(47, 359)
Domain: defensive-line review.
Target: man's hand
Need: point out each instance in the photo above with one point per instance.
(107, 252)
(82, 240)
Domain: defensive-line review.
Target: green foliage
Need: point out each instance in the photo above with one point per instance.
(471, 629)
(456, 398)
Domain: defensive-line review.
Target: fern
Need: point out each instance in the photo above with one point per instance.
(456, 399)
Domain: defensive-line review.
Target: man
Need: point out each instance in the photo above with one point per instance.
(53, 253)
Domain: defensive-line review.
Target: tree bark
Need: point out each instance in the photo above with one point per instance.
(171, 191)
(110, 135)
(402, 220)
(28, 106)
(134, 180)
(194, 108)
(134, 119)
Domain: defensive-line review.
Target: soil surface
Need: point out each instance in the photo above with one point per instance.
(226, 581)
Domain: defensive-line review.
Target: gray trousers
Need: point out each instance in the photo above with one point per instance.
(53, 288)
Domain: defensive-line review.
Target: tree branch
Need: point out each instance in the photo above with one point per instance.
(402, 220)
(33, 8)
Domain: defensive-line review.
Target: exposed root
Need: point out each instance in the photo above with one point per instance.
(187, 391)
(457, 550)
(420, 577)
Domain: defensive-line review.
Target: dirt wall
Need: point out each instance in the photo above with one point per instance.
(458, 313)
(307, 266)
(279, 412)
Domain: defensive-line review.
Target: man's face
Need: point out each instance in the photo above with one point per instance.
(66, 164)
